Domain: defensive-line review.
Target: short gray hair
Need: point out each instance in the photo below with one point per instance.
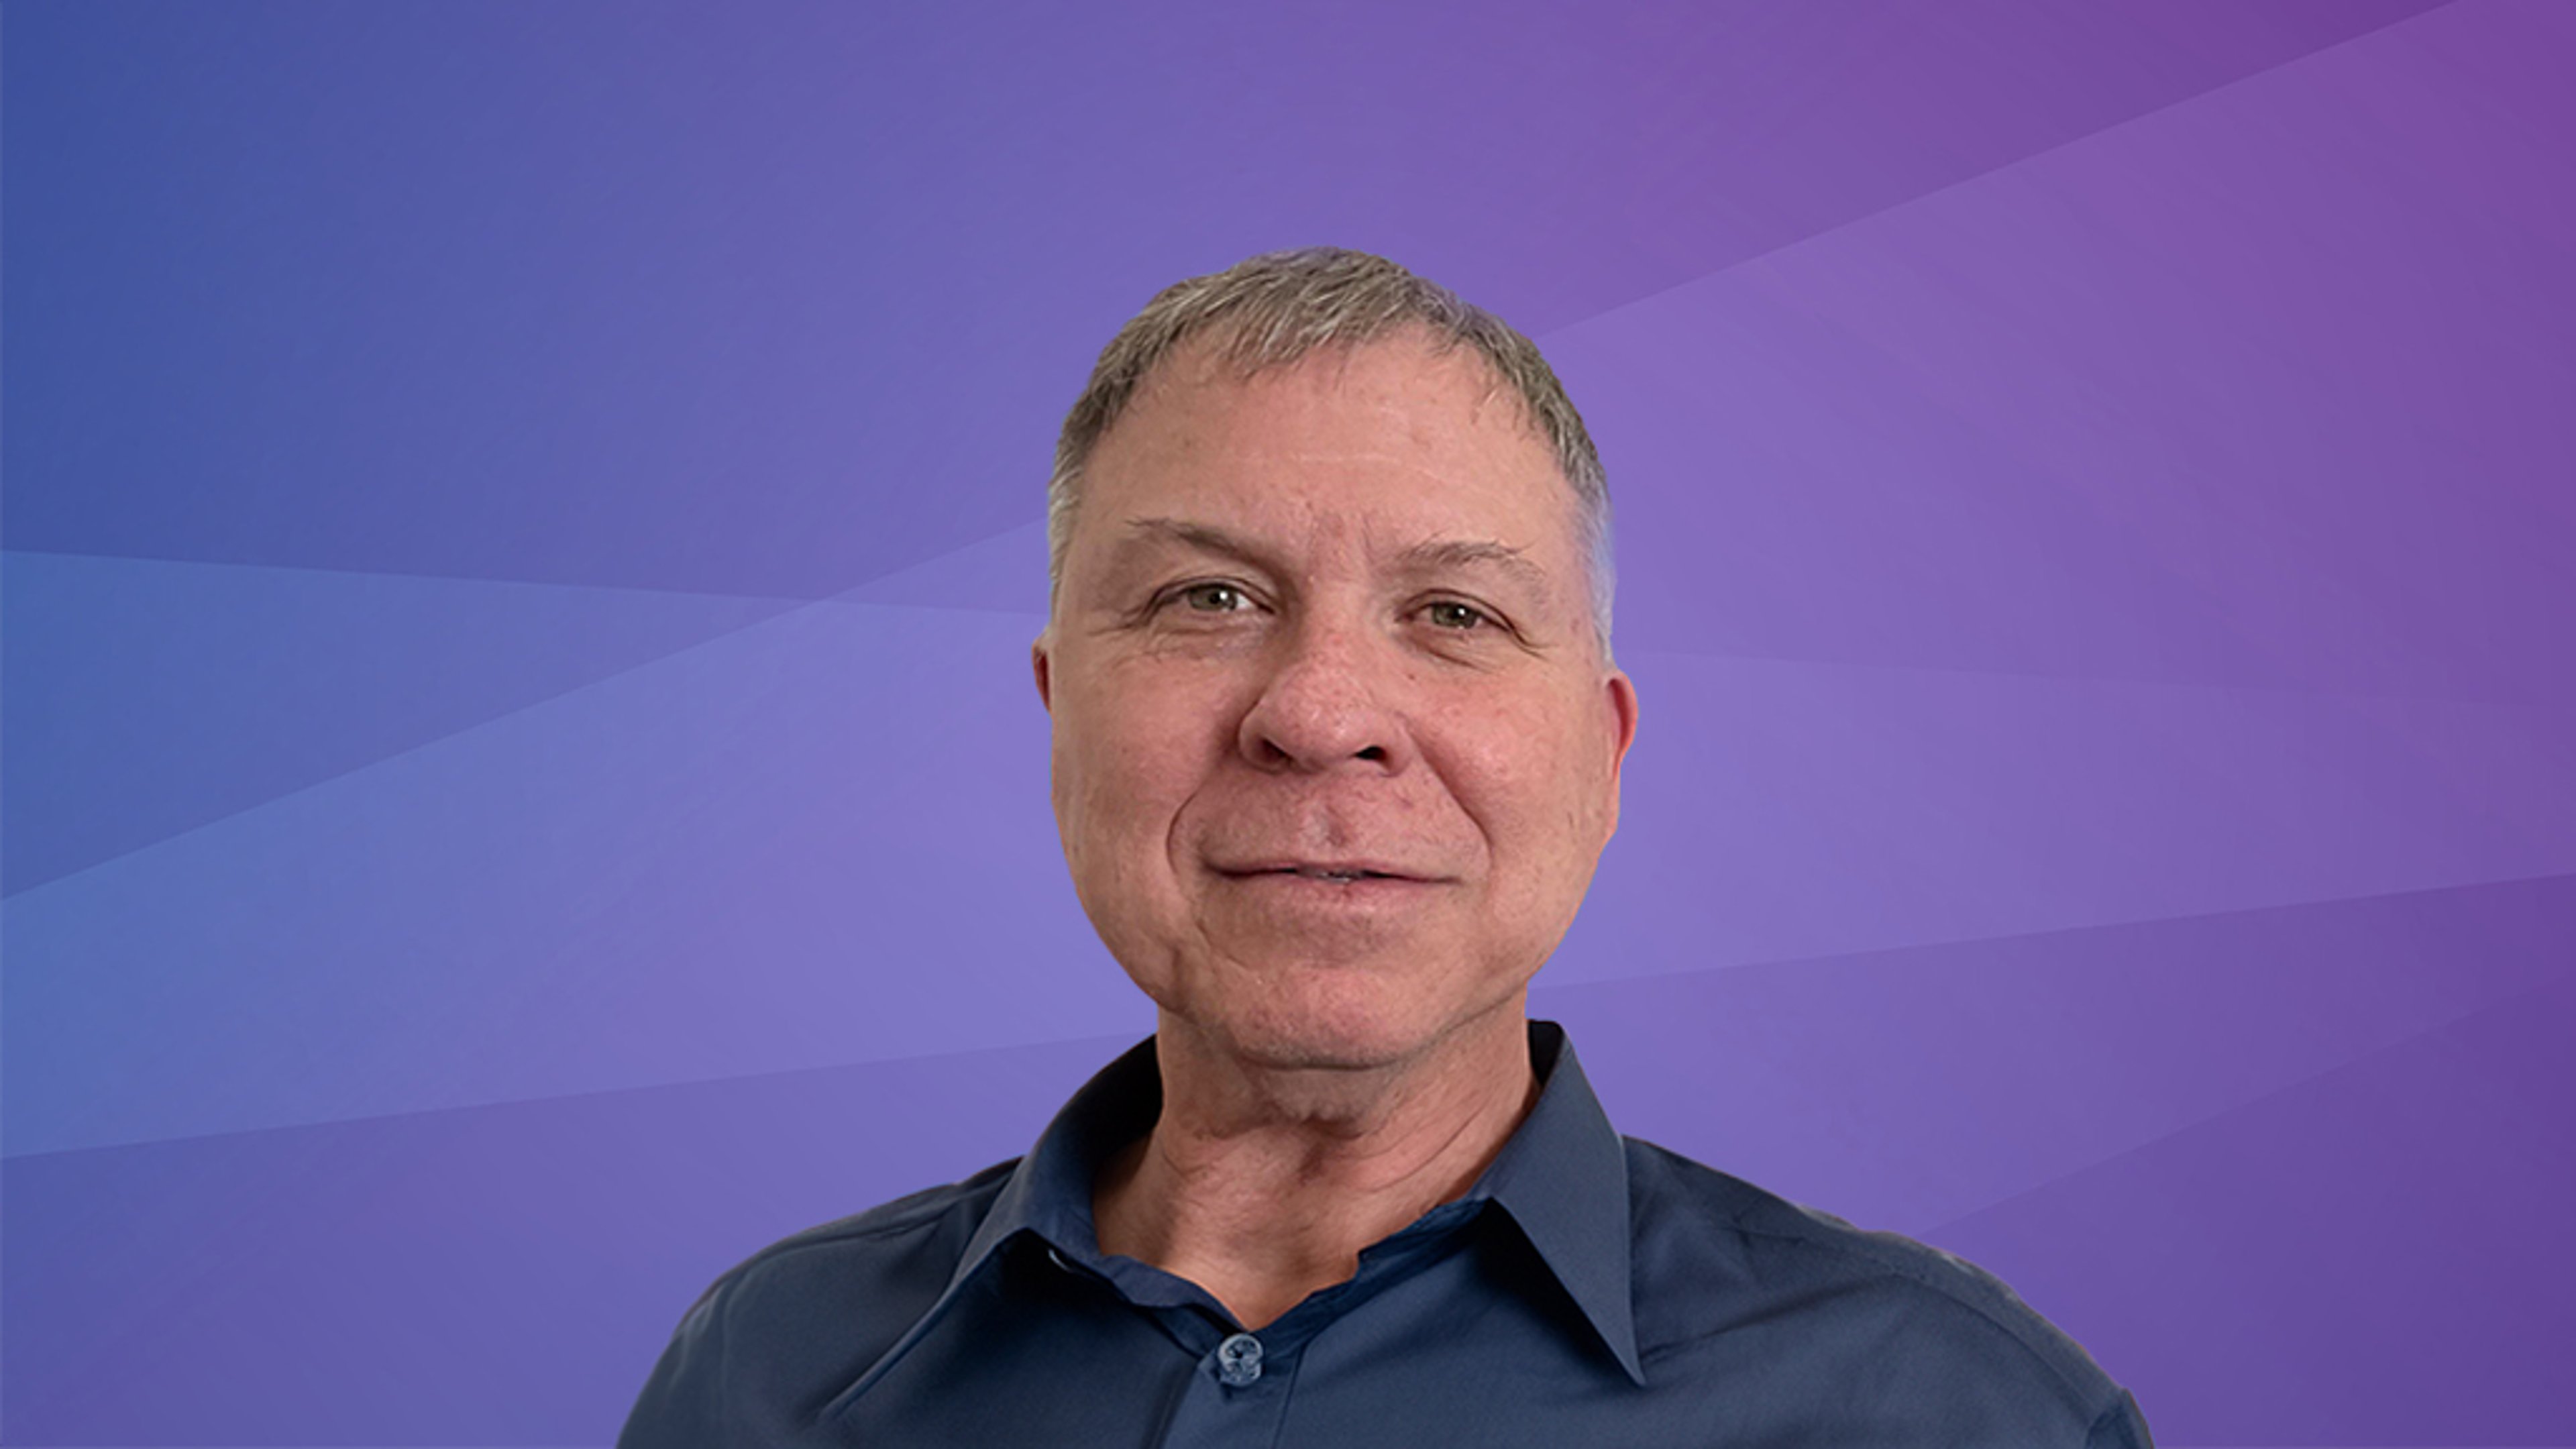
(1272, 310)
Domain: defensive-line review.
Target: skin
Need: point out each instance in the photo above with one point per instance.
(1336, 613)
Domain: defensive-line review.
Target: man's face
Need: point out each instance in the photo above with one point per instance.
(1331, 618)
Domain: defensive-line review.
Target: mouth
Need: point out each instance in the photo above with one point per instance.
(1343, 876)
(1332, 872)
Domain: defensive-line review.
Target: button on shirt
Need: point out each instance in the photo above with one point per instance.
(1589, 1289)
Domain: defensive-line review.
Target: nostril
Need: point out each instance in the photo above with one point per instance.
(1373, 752)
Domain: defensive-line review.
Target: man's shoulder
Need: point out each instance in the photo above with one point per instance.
(878, 1269)
(808, 1312)
(925, 1230)
(1744, 1255)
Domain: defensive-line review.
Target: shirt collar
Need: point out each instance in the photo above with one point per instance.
(1049, 1194)
(1562, 1178)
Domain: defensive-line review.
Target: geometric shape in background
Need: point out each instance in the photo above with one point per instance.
(145, 698)
(1903, 1089)
(2380, 1255)
(2268, 388)
(675, 302)
(1777, 810)
(1005, 574)
(820, 838)
(375, 301)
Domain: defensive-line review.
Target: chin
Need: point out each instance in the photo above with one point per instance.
(1334, 1020)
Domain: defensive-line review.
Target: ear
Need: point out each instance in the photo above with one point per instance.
(1038, 663)
(1622, 701)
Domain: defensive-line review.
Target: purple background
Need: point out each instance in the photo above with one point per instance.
(523, 532)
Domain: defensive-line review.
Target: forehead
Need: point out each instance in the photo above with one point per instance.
(1394, 439)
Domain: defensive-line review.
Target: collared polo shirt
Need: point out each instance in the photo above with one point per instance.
(1589, 1289)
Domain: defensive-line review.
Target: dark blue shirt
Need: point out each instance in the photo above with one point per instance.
(1589, 1289)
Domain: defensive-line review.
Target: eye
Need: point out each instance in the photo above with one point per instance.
(1453, 615)
(1213, 598)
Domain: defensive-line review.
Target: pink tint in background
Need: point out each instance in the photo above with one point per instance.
(523, 527)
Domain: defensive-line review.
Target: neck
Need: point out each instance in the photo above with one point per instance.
(1262, 1184)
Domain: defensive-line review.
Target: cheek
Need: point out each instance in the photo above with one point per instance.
(1516, 770)
(1136, 747)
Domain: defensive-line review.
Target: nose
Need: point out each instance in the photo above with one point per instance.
(1325, 704)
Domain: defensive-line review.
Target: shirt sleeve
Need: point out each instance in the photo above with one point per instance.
(2121, 1426)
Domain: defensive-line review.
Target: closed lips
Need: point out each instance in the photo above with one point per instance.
(1326, 870)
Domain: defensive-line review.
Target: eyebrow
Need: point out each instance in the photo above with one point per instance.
(1432, 556)
(1199, 536)
(1441, 554)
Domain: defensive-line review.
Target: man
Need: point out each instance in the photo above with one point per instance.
(1337, 744)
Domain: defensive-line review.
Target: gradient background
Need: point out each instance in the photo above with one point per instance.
(523, 534)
